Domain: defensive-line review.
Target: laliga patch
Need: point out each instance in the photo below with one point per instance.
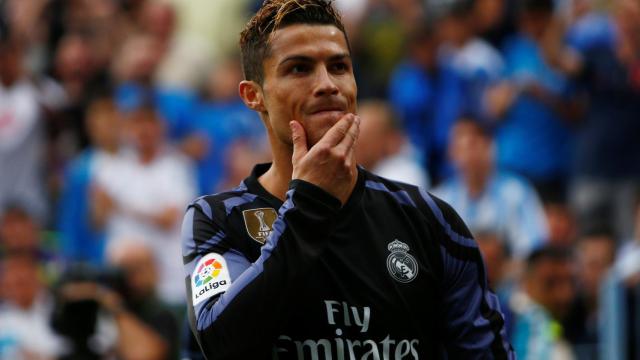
(210, 277)
(259, 223)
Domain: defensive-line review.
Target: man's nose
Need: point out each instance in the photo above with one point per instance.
(325, 84)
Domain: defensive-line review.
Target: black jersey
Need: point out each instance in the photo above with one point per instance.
(392, 274)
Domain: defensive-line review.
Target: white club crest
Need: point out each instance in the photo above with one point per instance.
(402, 266)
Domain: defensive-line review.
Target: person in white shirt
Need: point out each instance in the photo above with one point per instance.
(142, 195)
(25, 313)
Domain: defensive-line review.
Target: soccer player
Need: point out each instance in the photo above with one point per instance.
(313, 257)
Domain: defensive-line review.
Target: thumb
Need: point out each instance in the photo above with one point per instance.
(299, 139)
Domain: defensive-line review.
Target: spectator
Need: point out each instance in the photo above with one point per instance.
(95, 315)
(134, 69)
(477, 63)
(222, 122)
(21, 134)
(488, 199)
(495, 20)
(140, 268)
(427, 95)
(383, 148)
(606, 166)
(19, 232)
(544, 300)
(143, 196)
(76, 69)
(206, 33)
(25, 312)
(80, 239)
(595, 255)
(620, 301)
(534, 138)
(379, 42)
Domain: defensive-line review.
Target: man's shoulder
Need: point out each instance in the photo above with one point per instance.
(224, 201)
(405, 194)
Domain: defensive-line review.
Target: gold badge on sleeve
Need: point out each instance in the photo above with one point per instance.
(259, 223)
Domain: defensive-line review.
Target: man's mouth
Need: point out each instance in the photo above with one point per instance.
(328, 112)
(332, 110)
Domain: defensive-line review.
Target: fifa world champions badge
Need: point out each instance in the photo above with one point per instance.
(259, 223)
(402, 266)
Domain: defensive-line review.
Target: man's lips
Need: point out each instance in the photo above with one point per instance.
(327, 110)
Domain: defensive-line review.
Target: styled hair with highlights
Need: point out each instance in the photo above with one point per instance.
(278, 14)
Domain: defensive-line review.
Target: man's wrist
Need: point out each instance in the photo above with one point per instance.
(315, 194)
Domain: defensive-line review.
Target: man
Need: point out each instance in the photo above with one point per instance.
(427, 94)
(81, 241)
(21, 133)
(140, 194)
(383, 148)
(545, 299)
(488, 199)
(322, 277)
(25, 310)
(534, 105)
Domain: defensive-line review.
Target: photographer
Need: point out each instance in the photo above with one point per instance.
(145, 328)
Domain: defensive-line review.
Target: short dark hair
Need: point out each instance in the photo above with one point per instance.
(277, 14)
(554, 253)
(476, 125)
(536, 6)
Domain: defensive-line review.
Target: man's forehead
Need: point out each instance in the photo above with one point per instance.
(307, 39)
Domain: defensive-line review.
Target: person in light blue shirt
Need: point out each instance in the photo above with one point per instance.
(478, 64)
(543, 299)
(534, 137)
(488, 199)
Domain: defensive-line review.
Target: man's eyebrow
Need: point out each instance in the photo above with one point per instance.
(338, 57)
(304, 58)
(301, 58)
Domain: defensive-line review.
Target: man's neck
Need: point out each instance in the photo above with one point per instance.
(147, 156)
(276, 179)
(477, 182)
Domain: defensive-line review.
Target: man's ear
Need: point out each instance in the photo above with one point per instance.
(251, 94)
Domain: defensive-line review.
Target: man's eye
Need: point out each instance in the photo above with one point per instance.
(299, 69)
(339, 67)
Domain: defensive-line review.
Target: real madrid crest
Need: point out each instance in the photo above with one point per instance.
(402, 266)
(259, 223)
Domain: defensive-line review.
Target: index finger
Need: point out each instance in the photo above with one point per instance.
(350, 137)
(338, 131)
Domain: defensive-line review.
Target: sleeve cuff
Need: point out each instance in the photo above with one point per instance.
(312, 194)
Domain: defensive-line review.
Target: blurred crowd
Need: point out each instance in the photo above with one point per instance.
(524, 115)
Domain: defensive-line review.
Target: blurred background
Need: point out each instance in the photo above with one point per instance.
(115, 114)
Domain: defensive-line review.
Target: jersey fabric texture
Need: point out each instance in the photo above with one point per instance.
(392, 274)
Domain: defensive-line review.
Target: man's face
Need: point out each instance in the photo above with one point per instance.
(596, 255)
(551, 284)
(19, 282)
(470, 151)
(308, 77)
(146, 131)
